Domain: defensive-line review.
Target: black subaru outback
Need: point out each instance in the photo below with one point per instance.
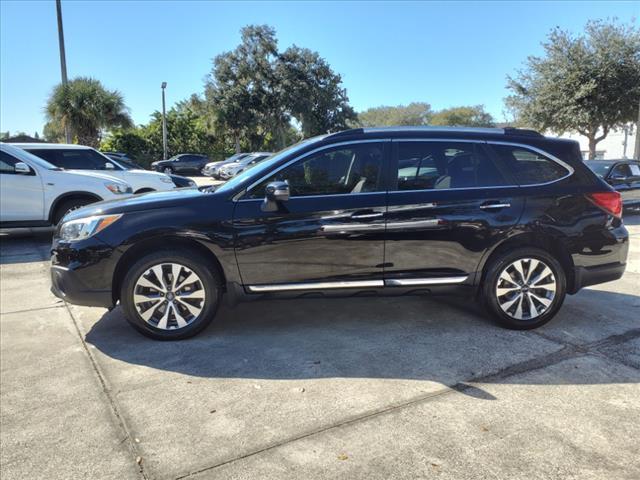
(509, 217)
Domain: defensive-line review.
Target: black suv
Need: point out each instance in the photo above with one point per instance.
(183, 163)
(508, 217)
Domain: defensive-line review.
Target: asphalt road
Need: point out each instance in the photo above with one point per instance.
(353, 388)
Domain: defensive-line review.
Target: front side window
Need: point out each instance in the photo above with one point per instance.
(443, 165)
(622, 171)
(7, 163)
(529, 167)
(342, 170)
(73, 159)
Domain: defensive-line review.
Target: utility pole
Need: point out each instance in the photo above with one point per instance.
(164, 124)
(63, 60)
(636, 154)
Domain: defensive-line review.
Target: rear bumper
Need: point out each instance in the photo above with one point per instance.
(586, 276)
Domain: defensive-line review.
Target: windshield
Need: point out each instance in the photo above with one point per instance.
(599, 168)
(264, 166)
(128, 164)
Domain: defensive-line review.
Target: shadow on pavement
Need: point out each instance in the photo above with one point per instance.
(25, 245)
(442, 340)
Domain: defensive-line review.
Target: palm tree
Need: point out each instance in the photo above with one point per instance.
(87, 108)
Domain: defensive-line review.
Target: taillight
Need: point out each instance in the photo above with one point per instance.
(610, 202)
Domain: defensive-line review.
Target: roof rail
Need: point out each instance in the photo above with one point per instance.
(523, 132)
(344, 133)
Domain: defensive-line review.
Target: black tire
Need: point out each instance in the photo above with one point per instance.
(491, 300)
(210, 282)
(67, 205)
(167, 170)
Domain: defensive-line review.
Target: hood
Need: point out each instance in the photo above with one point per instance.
(92, 174)
(146, 173)
(135, 203)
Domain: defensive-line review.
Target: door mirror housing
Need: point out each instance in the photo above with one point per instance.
(109, 166)
(22, 168)
(275, 192)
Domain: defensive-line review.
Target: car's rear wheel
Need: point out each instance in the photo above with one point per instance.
(170, 296)
(524, 288)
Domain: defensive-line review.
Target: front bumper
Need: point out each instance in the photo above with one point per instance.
(82, 272)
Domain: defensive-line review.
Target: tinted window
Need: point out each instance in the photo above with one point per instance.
(338, 171)
(599, 168)
(622, 170)
(76, 159)
(529, 167)
(7, 163)
(442, 165)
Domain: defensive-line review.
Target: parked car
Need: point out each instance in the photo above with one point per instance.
(211, 169)
(623, 175)
(80, 157)
(234, 168)
(126, 162)
(505, 216)
(183, 163)
(35, 193)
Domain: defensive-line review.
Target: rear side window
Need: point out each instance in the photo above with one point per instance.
(443, 165)
(72, 159)
(529, 167)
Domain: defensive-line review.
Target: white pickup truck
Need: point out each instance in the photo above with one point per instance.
(35, 193)
(80, 157)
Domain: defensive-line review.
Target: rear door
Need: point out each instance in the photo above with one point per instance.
(449, 203)
(625, 178)
(329, 234)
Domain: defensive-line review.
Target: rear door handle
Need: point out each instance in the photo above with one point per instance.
(494, 206)
(366, 214)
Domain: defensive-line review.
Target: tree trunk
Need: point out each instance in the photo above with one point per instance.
(592, 146)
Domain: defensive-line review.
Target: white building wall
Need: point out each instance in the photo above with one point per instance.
(611, 147)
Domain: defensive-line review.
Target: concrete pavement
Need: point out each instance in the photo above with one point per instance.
(352, 388)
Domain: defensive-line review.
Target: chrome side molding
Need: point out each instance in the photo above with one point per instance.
(409, 282)
(283, 287)
(394, 282)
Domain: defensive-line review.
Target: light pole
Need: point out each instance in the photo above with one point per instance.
(63, 60)
(164, 124)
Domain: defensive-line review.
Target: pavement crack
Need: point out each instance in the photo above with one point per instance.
(32, 309)
(133, 449)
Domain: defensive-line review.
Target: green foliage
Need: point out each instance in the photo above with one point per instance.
(255, 91)
(53, 132)
(470, 116)
(87, 108)
(414, 114)
(312, 92)
(588, 83)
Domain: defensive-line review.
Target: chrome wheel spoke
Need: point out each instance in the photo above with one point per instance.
(532, 307)
(507, 278)
(504, 290)
(163, 302)
(519, 267)
(195, 294)
(546, 271)
(543, 300)
(533, 265)
(191, 278)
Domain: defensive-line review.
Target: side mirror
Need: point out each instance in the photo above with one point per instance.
(274, 193)
(109, 166)
(22, 168)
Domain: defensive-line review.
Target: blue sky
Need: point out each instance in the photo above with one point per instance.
(388, 53)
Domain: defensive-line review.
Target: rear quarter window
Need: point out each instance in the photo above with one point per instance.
(529, 167)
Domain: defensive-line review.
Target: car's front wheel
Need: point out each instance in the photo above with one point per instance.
(167, 170)
(524, 288)
(169, 296)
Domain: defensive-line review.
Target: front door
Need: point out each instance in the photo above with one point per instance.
(329, 232)
(21, 195)
(449, 204)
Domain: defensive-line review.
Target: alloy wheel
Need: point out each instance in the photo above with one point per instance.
(169, 296)
(526, 289)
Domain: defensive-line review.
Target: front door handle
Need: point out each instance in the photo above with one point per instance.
(367, 214)
(494, 206)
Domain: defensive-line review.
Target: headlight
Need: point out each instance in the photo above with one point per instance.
(86, 227)
(118, 188)
(166, 179)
